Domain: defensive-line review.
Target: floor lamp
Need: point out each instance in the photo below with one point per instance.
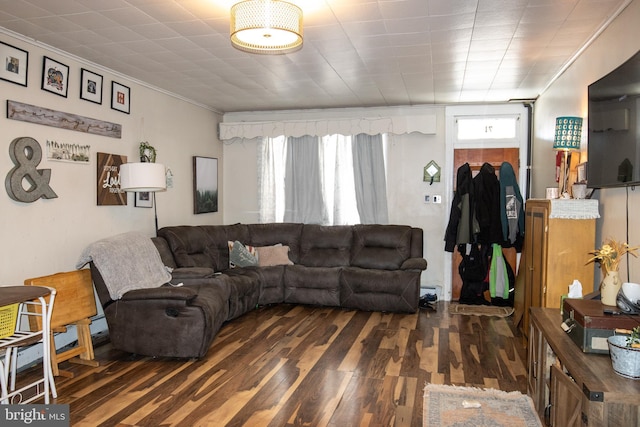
(567, 138)
(141, 177)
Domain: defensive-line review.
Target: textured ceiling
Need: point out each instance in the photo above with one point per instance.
(356, 53)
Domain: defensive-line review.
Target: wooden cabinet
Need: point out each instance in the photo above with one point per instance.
(571, 388)
(556, 249)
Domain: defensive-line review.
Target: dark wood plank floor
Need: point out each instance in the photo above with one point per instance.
(290, 365)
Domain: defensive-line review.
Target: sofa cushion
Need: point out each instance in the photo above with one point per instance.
(271, 234)
(271, 284)
(325, 246)
(380, 290)
(191, 246)
(312, 285)
(383, 247)
(165, 251)
(269, 256)
(241, 255)
(244, 290)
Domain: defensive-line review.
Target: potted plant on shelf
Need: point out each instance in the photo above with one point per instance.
(147, 152)
(609, 256)
(625, 352)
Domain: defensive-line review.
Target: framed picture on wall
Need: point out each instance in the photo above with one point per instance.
(55, 77)
(15, 62)
(205, 185)
(144, 199)
(120, 97)
(90, 86)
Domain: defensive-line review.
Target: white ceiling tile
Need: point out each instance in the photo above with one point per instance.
(356, 52)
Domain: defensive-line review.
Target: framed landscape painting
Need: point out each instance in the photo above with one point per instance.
(205, 185)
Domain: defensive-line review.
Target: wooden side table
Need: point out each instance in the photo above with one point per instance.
(28, 297)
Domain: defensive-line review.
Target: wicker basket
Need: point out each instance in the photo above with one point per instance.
(8, 317)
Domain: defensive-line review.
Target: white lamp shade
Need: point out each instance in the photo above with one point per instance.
(142, 177)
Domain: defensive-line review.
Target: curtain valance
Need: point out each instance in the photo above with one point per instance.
(425, 124)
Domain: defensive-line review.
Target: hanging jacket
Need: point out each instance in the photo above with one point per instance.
(462, 225)
(498, 276)
(511, 208)
(486, 192)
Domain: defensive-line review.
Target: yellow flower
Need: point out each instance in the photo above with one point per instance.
(609, 255)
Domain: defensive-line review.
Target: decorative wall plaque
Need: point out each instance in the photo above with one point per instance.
(44, 116)
(109, 191)
(26, 153)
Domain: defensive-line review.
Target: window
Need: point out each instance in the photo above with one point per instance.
(486, 128)
(316, 180)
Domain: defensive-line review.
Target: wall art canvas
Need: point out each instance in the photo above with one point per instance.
(67, 152)
(205, 185)
(55, 77)
(90, 86)
(109, 191)
(120, 97)
(15, 64)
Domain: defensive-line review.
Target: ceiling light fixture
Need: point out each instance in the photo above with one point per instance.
(266, 26)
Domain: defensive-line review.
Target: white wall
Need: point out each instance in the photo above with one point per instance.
(47, 236)
(568, 96)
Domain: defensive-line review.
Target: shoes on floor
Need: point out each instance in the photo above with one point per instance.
(428, 301)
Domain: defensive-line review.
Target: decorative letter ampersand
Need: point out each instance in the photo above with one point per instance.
(25, 152)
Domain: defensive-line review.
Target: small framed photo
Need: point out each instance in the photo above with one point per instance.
(144, 199)
(55, 77)
(14, 65)
(120, 97)
(581, 173)
(90, 86)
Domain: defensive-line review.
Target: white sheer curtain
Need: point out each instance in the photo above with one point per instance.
(303, 195)
(318, 180)
(339, 188)
(271, 160)
(370, 179)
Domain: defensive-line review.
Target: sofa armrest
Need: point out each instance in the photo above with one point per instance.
(414, 264)
(162, 292)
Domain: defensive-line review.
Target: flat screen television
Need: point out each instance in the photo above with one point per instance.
(614, 127)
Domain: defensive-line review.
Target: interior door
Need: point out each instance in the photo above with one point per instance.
(476, 157)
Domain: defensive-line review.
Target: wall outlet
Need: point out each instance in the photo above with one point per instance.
(437, 199)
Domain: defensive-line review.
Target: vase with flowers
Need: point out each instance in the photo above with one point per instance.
(609, 256)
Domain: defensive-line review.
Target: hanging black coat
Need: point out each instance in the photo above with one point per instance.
(462, 224)
(486, 192)
(511, 209)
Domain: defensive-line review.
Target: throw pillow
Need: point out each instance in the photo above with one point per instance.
(241, 255)
(273, 255)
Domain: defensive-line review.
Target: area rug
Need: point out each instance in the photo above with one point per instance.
(453, 406)
(480, 310)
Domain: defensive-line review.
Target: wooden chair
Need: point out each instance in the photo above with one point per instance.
(75, 305)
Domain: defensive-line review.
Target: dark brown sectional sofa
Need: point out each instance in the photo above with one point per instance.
(365, 267)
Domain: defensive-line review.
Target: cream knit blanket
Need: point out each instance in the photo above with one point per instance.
(126, 261)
